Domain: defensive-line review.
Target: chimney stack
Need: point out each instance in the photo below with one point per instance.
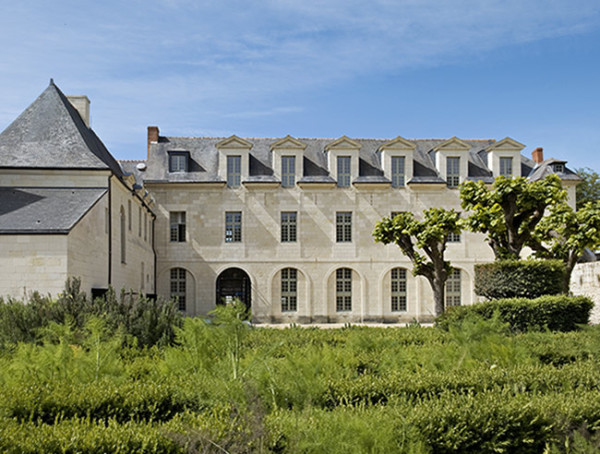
(538, 155)
(82, 105)
(152, 136)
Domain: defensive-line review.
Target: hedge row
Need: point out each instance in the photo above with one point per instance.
(556, 313)
(519, 278)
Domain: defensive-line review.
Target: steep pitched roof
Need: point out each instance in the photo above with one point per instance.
(34, 210)
(50, 133)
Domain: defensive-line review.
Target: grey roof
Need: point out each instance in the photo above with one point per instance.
(545, 169)
(50, 133)
(44, 210)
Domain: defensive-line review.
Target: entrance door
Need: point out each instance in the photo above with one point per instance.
(231, 284)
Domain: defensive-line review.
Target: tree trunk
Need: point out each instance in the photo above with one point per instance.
(439, 292)
(569, 265)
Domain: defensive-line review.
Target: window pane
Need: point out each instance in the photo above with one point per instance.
(343, 171)
(289, 296)
(288, 226)
(288, 171)
(398, 171)
(177, 226)
(506, 167)
(234, 171)
(343, 227)
(398, 290)
(452, 172)
(233, 227)
(453, 295)
(343, 289)
(178, 287)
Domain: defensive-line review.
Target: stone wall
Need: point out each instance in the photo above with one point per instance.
(585, 280)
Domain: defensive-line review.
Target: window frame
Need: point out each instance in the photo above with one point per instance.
(454, 288)
(289, 290)
(398, 290)
(343, 226)
(233, 227)
(288, 171)
(178, 287)
(343, 290)
(453, 238)
(502, 162)
(289, 226)
(398, 177)
(344, 171)
(177, 226)
(234, 171)
(452, 171)
(178, 161)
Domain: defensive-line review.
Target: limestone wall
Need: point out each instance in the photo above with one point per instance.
(585, 280)
(32, 262)
(64, 178)
(316, 255)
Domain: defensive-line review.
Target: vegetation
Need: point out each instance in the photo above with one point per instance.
(509, 212)
(588, 190)
(519, 278)
(430, 236)
(223, 386)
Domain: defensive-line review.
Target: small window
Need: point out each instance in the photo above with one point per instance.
(343, 227)
(129, 215)
(343, 171)
(288, 171)
(398, 174)
(123, 235)
(288, 226)
(140, 221)
(343, 290)
(559, 168)
(453, 238)
(452, 172)
(453, 288)
(398, 290)
(178, 161)
(146, 227)
(178, 287)
(234, 171)
(506, 167)
(289, 290)
(106, 220)
(177, 220)
(233, 227)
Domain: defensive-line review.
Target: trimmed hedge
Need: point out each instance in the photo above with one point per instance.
(554, 312)
(519, 278)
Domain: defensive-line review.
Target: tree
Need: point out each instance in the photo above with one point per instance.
(565, 234)
(589, 188)
(509, 212)
(428, 235)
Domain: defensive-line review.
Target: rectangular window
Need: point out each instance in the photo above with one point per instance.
(106, 220)
(146, 227)
(288, 171)
(139, 221)
(506, 167)
(453, 238)
(233, 226)
(129, 215)
(397, 171)
(343, 171)
(234, 171)
(453, 289)
(343, 290)
(398, 289)
(178, 286)
(288, 226)
(343, 227)
(452, 172)
(178, 161)
(559, 168)
(177, 221)
(289, 290)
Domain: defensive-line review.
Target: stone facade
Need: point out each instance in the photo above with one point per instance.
(585, 280)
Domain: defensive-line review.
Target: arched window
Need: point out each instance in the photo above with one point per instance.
(453, 288)
(178, 287)
(289, 290)
(343, 290)
(398, 290)
(123, 236)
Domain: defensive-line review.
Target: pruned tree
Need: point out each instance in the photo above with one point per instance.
(510, 210)
(429, 236)
(565, 234)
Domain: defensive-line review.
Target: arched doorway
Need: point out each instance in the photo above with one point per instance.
(233, 283)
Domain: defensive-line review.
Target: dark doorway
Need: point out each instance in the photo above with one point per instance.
(233, 283)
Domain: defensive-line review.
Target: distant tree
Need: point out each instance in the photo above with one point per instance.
(589, 188)
(429, 235)
(565, 234)
(509, 212)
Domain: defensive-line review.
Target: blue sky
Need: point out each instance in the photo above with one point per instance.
(416, 68)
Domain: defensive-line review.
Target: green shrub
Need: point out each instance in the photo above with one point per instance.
(556, 313)
(519, 278)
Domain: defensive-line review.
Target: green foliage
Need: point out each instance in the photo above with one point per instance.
(428, 235)
(509, 212)
(519, 278)
(588, 190)
(556, 313)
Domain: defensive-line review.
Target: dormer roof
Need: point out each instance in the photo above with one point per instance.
(454, 144)
(234, 142)
(288, 142)
(507, 144)
(399, 143)
(343, 143)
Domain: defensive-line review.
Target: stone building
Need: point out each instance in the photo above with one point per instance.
(67, 208)
(284, 224)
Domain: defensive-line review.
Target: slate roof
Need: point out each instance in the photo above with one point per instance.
(50, 133)
(545, 169)
(34, 210)
(203, 165)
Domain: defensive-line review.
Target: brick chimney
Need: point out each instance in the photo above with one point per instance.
(152, 136)
(538, 155)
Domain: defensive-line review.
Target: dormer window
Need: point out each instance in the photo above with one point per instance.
(398, 171)
(288, 171)
(343, 171)
(178, 161)
(234, 171)
(559, 168)
(506, 167)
